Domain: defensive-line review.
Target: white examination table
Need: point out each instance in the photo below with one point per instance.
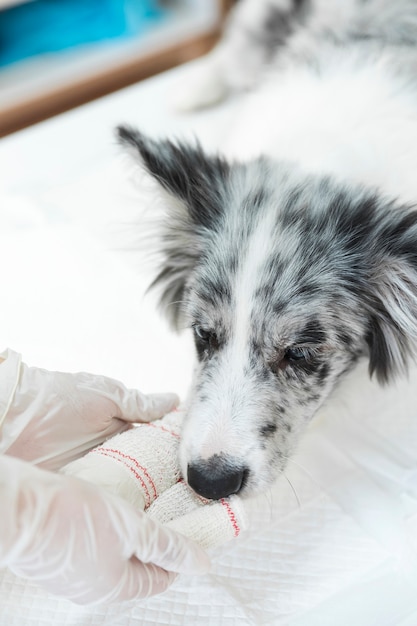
(73, 299)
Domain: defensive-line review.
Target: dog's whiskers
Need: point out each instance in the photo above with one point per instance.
(293, 490)
(183, 302)
(269, 499)
(305, 470)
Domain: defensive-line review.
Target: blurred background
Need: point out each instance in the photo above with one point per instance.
(58, 54)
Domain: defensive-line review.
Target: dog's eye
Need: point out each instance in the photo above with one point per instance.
(296, 354)
(297, 358)
(205, 338)
(203, 333)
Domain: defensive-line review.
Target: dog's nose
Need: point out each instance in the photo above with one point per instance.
(215, 478)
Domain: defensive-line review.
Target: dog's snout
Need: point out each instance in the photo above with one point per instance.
(216, 478)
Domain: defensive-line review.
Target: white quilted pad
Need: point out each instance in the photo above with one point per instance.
(340, 547)
(343, 554)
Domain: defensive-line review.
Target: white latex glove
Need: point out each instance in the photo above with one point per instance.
(52, 418)
(80, 542)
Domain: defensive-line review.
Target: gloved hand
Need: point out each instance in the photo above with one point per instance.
(78, 541)
(52, 418)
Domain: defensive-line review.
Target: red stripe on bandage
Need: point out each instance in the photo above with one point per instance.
(130, 468)
(116, 454)
(232, 516)
(138, 465)
(171, 432)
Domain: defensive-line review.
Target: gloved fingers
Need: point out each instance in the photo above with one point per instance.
(143, 580)
(139, 580)
(130, 404)
(170, 550)
(138, 407)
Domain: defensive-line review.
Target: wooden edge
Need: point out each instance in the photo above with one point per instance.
(53, 102)
(225, 6)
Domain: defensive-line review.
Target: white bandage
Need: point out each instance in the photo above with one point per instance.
(141, 466)
(209, 523)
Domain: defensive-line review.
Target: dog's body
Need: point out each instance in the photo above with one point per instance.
(295, 257)
(338, 95)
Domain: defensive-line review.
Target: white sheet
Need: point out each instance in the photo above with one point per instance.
(346, 552)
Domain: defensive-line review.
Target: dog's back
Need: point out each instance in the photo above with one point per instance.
(261, 34)
(334, 87)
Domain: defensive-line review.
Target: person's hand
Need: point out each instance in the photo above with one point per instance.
(52, 418)
(80, 542)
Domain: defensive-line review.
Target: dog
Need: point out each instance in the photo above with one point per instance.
(292, 255)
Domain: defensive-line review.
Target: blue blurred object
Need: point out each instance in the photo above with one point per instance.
(51, 25)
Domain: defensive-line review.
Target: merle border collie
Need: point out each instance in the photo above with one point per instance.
(292, 255)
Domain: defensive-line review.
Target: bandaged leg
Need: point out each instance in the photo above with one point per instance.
(209, 523)
(141, 466)
(138, 465)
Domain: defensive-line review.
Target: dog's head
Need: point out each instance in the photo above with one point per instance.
(286, 280)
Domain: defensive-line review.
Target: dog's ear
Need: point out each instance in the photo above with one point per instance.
(392, 295)
(194, 186)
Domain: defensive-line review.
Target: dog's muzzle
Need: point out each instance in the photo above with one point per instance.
(216, 477)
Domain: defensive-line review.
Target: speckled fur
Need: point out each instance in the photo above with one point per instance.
(289, 259)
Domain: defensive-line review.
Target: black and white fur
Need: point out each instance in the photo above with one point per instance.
(293, 256)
